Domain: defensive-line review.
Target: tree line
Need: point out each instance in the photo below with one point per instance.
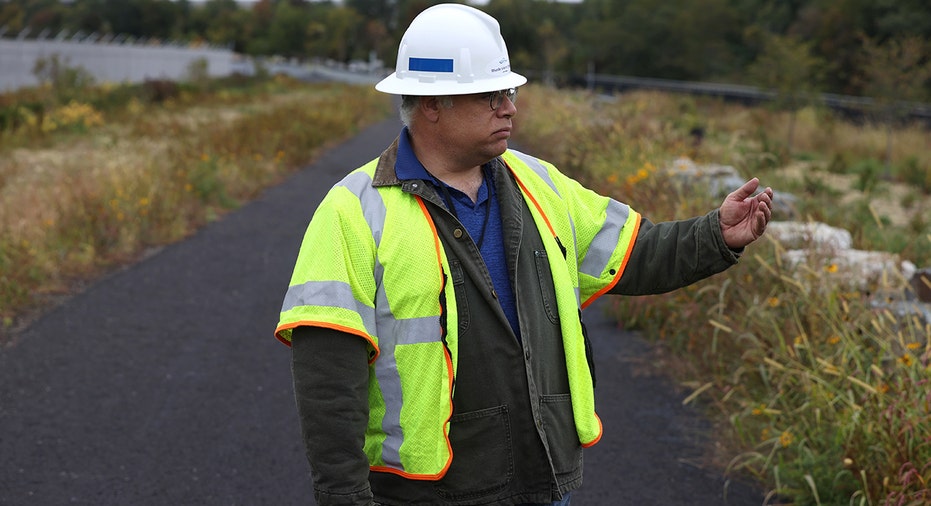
(854, 47)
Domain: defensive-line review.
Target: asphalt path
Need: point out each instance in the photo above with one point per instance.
(161, 384)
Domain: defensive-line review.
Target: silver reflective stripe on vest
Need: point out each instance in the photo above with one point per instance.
(390, 331)
(337, 293)
(604, 244)
(538, 168)
(408, 331)
(329, 294)
(373, 207)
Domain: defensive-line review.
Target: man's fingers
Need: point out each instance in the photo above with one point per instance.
(746, 190)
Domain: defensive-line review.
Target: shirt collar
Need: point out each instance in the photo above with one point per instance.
(407, 166)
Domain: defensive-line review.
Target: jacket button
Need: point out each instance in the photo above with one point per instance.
(457, 233)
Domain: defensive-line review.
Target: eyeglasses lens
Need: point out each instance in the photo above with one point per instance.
(497, 98)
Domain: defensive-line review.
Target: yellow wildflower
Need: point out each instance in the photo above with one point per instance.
(757, 411)
(773, 301)
(832, 268)
(882, 388)
(786, 438)
(913, 346)
(834, 339)
(907, 360)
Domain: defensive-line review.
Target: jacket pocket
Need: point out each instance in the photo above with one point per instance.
(482, 458)
(547, 290)
(563, 439)
(462, 301)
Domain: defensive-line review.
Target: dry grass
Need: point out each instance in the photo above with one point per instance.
(79, 197)
(820, 393)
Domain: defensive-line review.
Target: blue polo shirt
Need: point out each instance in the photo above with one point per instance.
(482, 219)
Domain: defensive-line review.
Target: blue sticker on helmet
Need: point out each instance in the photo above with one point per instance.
(430, 64)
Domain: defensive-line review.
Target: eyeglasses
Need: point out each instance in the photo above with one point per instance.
(496, 98)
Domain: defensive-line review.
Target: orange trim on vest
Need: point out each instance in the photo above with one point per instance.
(436, 235)
(449, 366)
(327, 325)
(534, 200)
(600, 433)
(623, 266)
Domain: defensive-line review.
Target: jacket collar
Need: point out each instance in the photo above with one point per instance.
(385, 174)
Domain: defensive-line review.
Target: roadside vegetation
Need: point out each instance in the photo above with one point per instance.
(94, 176)
(817, 391)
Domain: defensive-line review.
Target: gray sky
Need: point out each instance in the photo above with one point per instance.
(474, 2)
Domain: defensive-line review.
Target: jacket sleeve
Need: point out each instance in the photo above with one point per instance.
(330, 370)
(670, 255)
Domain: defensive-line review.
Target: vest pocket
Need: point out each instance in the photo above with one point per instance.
(563, 439)
(482, 458)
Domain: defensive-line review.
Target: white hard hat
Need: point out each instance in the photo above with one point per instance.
(451, 49)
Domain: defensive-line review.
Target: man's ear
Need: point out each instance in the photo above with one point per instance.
(430, 107)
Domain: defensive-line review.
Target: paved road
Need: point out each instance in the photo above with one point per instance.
(161, 384)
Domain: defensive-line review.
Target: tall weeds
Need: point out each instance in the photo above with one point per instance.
(823, 390)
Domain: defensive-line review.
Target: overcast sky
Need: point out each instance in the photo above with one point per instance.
(474, 2)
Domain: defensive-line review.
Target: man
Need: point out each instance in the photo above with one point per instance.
(434, 310)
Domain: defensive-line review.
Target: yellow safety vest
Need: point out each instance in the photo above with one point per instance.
(372, 264)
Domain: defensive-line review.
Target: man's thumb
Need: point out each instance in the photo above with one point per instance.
(746, 190)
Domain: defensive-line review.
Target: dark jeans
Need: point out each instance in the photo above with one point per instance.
(565, 502)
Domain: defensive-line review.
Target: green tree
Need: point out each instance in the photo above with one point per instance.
(13, 17)
(287, 32)
(554, 49)
(831, 28)
(378, 39)
(519, 20)
(699, 40)
(140, 18)
(787, 68)
(49, 20)
(896, 73)
(334, 34)
(222, 22)
(88, 16)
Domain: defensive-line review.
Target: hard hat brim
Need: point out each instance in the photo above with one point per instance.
(396, 86)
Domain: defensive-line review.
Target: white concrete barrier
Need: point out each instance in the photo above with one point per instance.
(107, 61)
